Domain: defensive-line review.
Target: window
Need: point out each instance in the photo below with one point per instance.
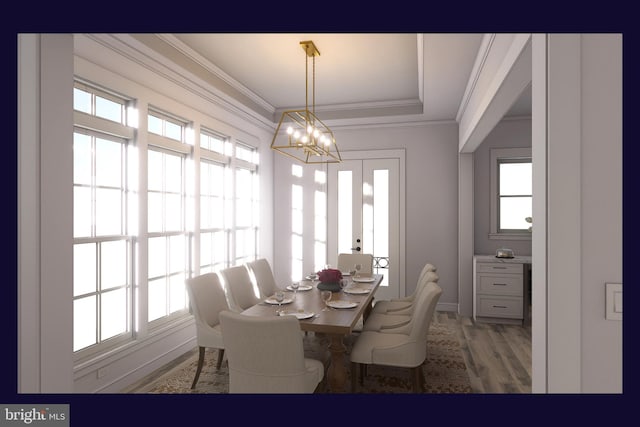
(115, 302)
(102, 206)
(246, 204)
(214, 186)
(512, 193)
(169, 256)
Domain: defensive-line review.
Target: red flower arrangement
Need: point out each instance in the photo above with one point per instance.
(330, 275)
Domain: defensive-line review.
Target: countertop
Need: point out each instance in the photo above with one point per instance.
(492, 258)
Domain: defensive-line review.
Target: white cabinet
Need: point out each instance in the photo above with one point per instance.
(499, 291)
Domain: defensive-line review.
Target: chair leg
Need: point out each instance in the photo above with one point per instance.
(354, 376)
(418, 379)
(220, 356)
(200, 362)
(363, 373)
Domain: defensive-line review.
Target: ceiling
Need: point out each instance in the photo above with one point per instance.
(358, 77)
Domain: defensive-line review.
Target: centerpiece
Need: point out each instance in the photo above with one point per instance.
(329, 280)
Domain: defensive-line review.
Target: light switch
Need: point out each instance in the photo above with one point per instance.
(617, 302)
(613, 301)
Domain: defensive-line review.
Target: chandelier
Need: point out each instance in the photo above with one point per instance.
(300, 133)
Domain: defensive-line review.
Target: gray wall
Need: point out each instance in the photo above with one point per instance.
(432, 201)
(509, 133)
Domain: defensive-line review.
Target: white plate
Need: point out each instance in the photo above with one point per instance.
(346, 273)
(357, 291)
(342, 304)
(299, 315)
(312, 277)
(364, 279)
(272, 300)
(300, 288)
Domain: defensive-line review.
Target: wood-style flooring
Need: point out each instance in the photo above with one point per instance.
(498, 356)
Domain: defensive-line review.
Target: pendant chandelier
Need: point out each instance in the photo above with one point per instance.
(300, 134)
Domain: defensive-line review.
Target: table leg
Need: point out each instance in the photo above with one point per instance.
(337, 372)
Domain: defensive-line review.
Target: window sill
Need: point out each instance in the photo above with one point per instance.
(510, 236)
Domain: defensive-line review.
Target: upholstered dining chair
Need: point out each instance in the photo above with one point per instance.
(263, 276)
(266, 355)
(207, 299)
(407, 347)
(347, 261)
(390, 320)
(239, 287)
(428, 274)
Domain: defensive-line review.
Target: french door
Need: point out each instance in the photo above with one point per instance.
(366, 213)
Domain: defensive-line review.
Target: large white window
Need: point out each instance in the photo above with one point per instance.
(102, 209)
(511, 192)
(168, 240)
(214, 190)
(246, 204)
(116, 299)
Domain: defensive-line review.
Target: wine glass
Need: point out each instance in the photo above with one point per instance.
(295, 286)
(358, 267)
(326, 297)
(279, 296)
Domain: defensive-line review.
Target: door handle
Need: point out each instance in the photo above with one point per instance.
(356, 249)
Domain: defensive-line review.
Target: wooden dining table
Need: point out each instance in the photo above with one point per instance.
(335, 323)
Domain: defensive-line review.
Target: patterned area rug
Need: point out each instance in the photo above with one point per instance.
(444, 370)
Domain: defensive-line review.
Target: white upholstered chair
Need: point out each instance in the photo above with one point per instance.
(428, 274)
(207, 299)
(406, 347)
(263, 275)
(239, 287)
(389, 320)
(266, 355)
(347, 261)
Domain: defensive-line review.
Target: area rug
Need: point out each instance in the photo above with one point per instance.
(444, 370)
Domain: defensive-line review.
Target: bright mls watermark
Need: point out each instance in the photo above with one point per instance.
(39, 415)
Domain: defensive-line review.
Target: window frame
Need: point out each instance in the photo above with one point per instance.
(97, 127)
(498, 156)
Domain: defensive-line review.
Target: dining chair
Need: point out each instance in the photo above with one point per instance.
(207, 300)
(263, 275)
(390, 320)
(239, 287)
(266, 355)
(346, 262)
(406, 347)
(428, 274)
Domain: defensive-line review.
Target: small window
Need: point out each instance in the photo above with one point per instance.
(511, 193)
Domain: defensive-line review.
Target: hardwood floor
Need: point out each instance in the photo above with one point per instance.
(498, 357)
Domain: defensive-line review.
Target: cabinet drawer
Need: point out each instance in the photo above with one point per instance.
(498, 267)
(505, 284)
(492, 306)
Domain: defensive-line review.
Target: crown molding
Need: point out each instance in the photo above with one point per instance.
(215, 70)
(132, 48)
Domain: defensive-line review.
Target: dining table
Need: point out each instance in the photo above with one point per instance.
(336, 322)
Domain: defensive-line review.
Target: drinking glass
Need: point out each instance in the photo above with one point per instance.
(326, 297)
(358, 267)
(295, 286)
(279, 296)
